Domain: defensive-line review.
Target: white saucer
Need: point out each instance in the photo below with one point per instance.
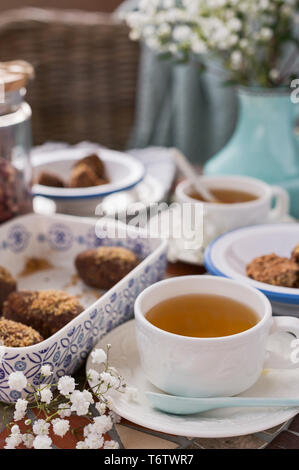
(213, 424)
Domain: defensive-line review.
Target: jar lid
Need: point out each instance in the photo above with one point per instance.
(15, 74)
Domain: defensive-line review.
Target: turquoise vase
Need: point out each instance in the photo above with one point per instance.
(264, 144)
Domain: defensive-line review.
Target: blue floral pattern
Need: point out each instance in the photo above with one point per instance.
(67, 349)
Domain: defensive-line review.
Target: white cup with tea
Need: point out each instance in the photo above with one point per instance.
(243, 201)
(191, 345)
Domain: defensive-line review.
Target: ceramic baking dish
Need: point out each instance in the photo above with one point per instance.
(58, 239)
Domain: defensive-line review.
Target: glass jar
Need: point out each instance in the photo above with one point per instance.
(15, 141)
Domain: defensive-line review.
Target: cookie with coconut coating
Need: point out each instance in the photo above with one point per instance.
(103, 267)
(46, 311)
(275, 270)
(16, 335)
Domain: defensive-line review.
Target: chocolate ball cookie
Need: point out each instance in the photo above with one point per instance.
(15, 334)
(103, 267)
(45, 311)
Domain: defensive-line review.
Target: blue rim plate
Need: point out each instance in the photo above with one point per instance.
(228, 255)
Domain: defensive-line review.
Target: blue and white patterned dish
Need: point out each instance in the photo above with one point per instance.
(59, 239)
(230, 253)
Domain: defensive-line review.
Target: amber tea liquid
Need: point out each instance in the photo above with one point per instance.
(202, 316)
(227, 196)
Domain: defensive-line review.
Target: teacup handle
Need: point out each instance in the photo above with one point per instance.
(282, 204)
(285, 325)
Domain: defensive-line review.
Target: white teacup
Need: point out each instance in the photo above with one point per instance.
(207, 367)
(221, 218)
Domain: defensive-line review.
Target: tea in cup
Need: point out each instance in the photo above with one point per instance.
(205, 336)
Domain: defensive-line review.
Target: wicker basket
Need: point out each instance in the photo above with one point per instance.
(86, 73)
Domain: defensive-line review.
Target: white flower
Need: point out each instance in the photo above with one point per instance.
(42, 442)
(109, 402)
(98, 356)
(40, 427)
(244, 43)
(94, 441)
(46, 370)
(111, 445)
(181, 33)
(80, 402)
(274, 74)
(236, 59)
(266, 33)
(17, 381)
(81, 445)
(101, 407)
(12, 441)
(115, 418)
(15, 429)
(234, 24)
(93, 377)
(64, 410)
(66, 385)
(60, 426)
(102, 424)
(109, 379)
(20, 409)
(46, 395)
(28, 440)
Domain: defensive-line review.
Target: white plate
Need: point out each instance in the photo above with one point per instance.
(213, 424)
(124, 172)
(229, 255)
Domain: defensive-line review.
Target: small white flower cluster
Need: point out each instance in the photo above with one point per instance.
(245, 34)
(57, 407)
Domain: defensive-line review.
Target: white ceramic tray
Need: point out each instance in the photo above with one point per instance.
(59, 239)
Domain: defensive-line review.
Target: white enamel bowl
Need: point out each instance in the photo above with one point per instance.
(124, 173)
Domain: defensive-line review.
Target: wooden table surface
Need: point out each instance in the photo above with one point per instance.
(132, 436)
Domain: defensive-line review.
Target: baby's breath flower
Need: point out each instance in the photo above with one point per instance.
(93, 377)
(80, 402)
(60, 426)
(46, 395)
(94, 441)
(98, 356)
(109, 379)
(17, 381)
(40, 427)
(66, 385)
(15, 429)
(64, 411)
(12, 441)
(28, 440)
(102, 424)
(81, 445)
(111, 445)
(20, 409)
(274, 74)
(42, 442)
(46, 370)
(101, 407)
(115, 418)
